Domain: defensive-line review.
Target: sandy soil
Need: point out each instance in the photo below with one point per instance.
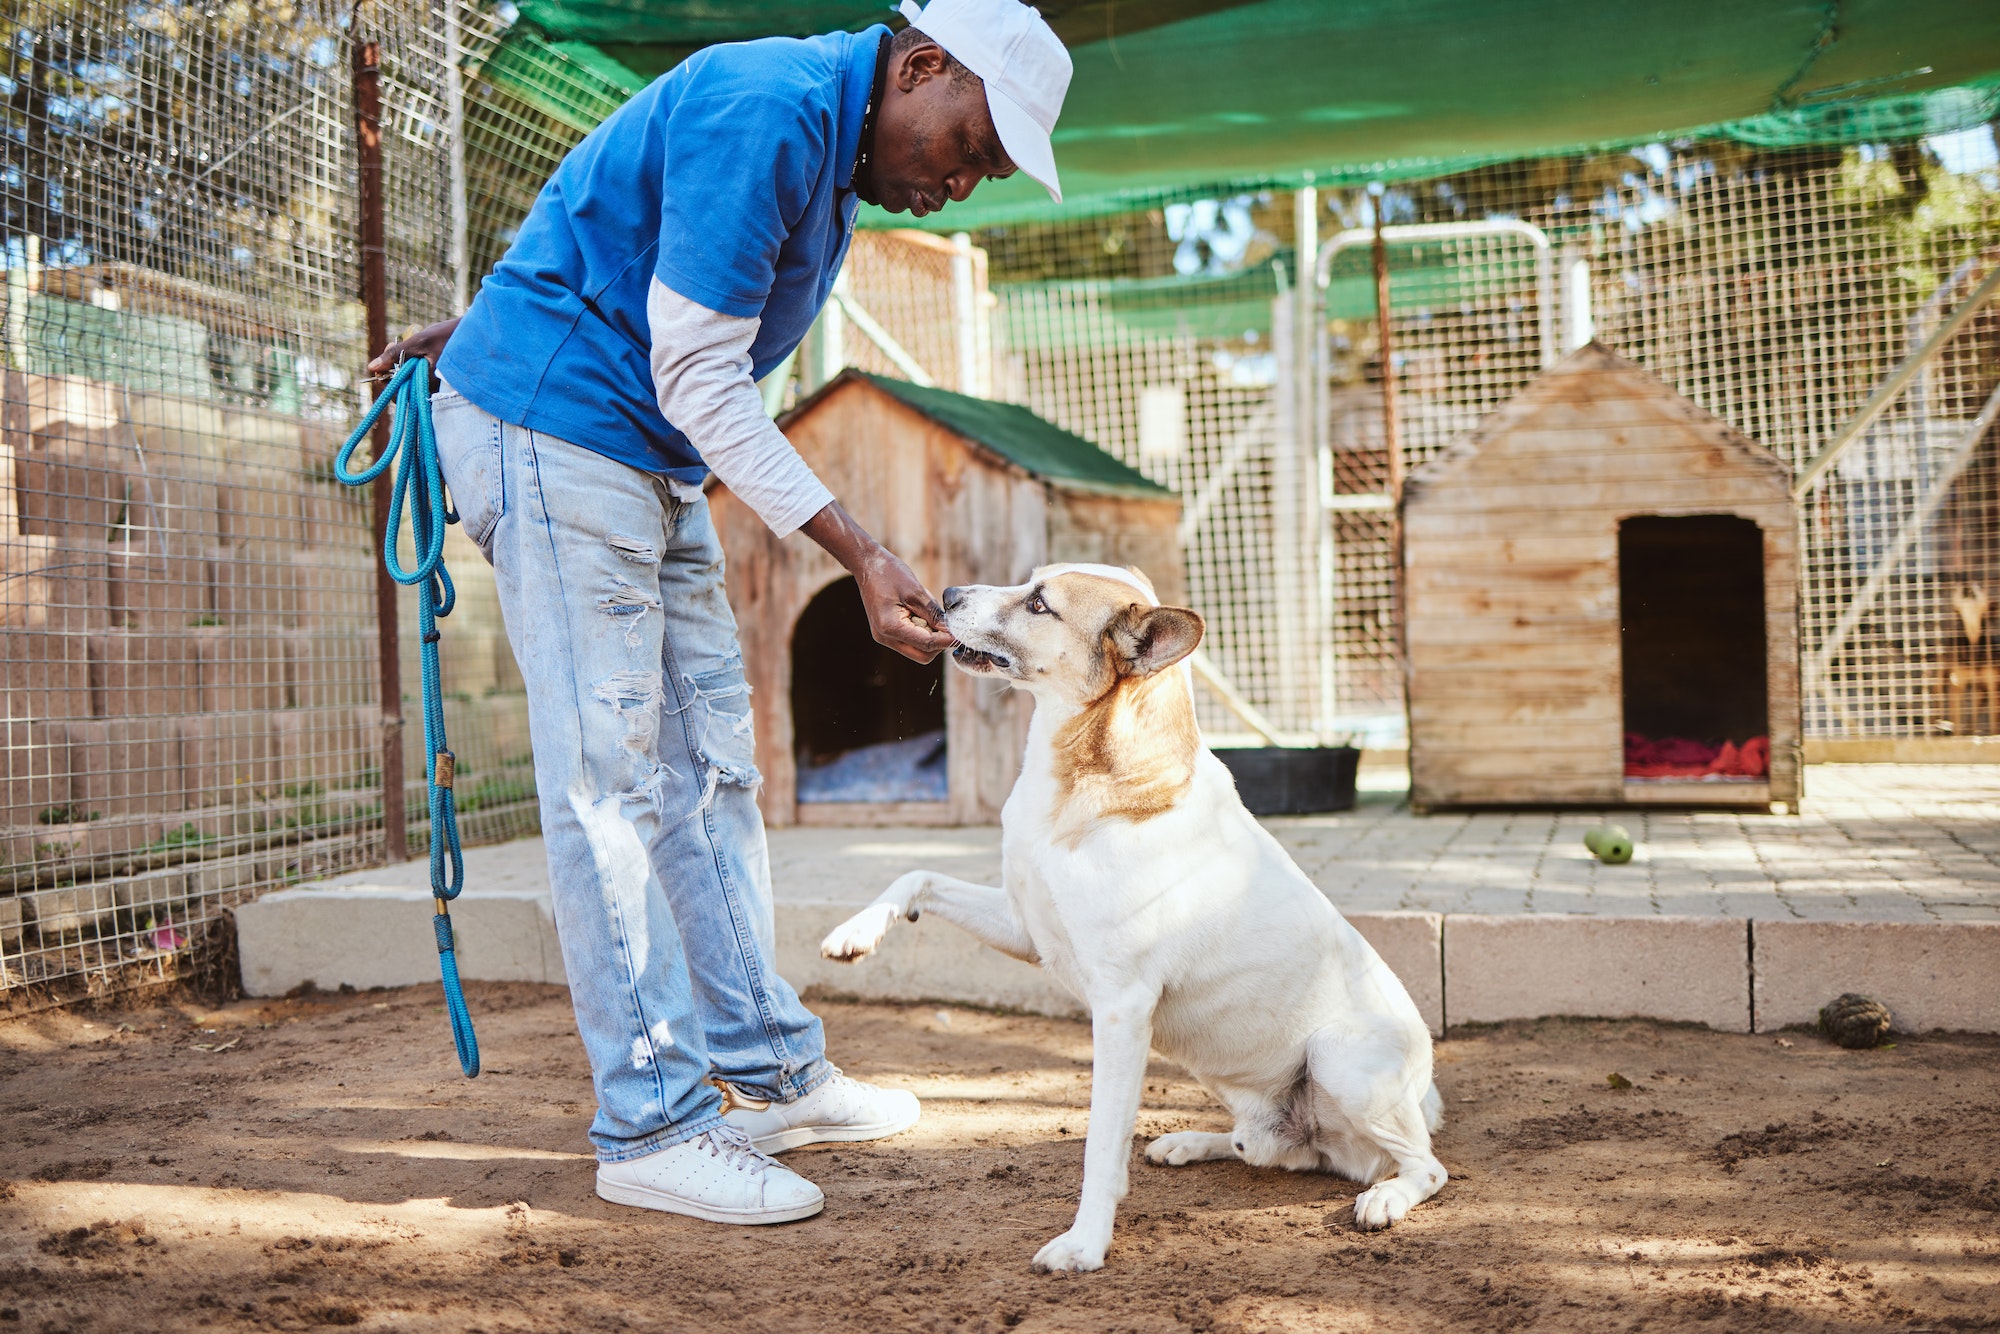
(320, 1163)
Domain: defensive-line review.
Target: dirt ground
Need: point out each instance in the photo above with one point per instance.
(319, 1162)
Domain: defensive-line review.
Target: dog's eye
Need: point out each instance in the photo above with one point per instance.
(1036, 605)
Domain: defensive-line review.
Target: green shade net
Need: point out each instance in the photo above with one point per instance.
(1096, 313)
(1192, 93)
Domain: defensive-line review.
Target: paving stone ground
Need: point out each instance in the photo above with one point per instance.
(1900, 843)
(1874, 843)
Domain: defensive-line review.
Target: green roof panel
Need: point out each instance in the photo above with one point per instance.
(1017, 435)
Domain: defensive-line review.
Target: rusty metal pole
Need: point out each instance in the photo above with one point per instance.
(375, 297)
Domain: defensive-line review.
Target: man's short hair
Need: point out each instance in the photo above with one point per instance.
(909, 39)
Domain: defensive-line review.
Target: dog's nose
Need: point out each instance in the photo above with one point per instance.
(952, 597)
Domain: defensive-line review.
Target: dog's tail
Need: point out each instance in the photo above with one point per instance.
(1433, 1106)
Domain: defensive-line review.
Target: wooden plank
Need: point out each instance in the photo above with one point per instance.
(1611, 404)
(1449, 575)
(1583, 660)
(1445, 546)
(1608, 403)
(1509, 709)
(1903, 750)
(1639, 492)
(1488, 526)
(1581, 733)
(1606, 764)
(1454, 590)
(874, 814)
(1511, 602)
(1697, 794)
(1555, 631)
(1607, 457)
(1120, 530)
(1003, 520)
(1556, 682)
(1626, 426)
(1452, 790)
(1444, 701)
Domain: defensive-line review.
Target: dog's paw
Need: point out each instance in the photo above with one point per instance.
(1187, 1146)
(1070, 1254)
(859, 934)
(1381, 1205)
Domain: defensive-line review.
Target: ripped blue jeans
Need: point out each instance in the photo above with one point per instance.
(613, 597)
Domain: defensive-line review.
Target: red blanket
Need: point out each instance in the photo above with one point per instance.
(1680, 757)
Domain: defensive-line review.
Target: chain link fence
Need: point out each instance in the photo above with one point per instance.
(187, 620)
(1777, 288)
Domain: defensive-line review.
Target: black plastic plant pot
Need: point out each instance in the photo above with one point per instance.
(1293, 780)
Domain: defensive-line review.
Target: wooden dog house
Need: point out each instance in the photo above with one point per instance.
(967, 491)
(1600, 590)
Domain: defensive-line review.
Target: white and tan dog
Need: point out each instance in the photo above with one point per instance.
(1134, 874)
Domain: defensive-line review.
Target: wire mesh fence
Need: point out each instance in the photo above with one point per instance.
(1775, 288)
(187, 623)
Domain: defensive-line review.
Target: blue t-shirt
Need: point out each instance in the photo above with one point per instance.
(730, 180)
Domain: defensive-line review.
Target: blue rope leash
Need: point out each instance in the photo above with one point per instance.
(419, 486)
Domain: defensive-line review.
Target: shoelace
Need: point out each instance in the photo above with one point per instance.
(735, 1150)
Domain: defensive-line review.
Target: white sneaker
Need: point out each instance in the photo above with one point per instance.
(718, 1176)
(839, 1111)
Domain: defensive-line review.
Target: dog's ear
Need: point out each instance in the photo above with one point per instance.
(1146, 640)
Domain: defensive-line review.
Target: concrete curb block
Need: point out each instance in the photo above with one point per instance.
(1459, 967)
(1412, 944)
(1685, 969)
(380, 936)
(1930, 974)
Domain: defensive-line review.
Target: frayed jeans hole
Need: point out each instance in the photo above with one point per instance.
(632, 549)
(629, 603)
(637, 699)
(726, 741)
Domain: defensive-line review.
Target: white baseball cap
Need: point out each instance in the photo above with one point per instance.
(1023, 64)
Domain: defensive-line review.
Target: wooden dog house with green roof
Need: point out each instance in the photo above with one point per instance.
(968, 492)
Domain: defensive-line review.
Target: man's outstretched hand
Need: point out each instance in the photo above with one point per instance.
(428, 343)
(901, 611)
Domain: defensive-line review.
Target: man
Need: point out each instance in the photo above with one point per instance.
(682, 250)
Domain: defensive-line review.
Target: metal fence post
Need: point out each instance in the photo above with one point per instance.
(374, 295)
(454, 107)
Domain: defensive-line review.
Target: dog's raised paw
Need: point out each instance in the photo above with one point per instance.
(1381, 1205)
(859, 934)
(1070, 1254)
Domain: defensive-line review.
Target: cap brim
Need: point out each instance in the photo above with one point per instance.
(1026, 142)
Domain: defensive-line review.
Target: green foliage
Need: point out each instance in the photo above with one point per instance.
(187, 836)
(491, 792)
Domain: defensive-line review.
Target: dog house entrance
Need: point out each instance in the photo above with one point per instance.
(1691, 610)
(867, 723)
